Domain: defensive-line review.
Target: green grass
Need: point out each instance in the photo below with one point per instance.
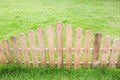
(13, 72)
(19, 16)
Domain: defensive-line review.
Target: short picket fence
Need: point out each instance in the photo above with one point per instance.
(58, 56)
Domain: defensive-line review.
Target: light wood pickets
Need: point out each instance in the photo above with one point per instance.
(33, 48)
(59, 36)
(105, 51)
(8, 51)
(37, 42)
(2, 55)
(50, 40)
(96, 50)
(40, 37)
(24, 50)
(69, 46)
(78, 42)
(16, 50)
(113, 55)
(88, 37)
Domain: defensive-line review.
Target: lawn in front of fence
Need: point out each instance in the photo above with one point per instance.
(13, 72)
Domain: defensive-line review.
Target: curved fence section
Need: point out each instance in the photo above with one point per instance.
(55, 48)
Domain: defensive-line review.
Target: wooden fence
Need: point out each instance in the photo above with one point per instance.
(101, 56)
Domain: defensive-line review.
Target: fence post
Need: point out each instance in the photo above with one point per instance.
(33, 51)
(8, 51)
(24, 49)
(2, 56)
(96, 50)
(59, 36)
(40, 37)
(88, 37)
(50, 37)
(78, 42)
(105, 51)
(68, 47)
(115, 49)
(16, 50)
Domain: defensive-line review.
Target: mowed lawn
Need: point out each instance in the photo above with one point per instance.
(19, 16)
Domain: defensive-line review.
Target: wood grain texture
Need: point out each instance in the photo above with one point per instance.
(16, 50)
(59, 36)
(33, 51)
(113, 55)
(40, 37)
(2, 55)
(8, 51)
(96, 50)
(68, 46)
(88, 37)
(78, 42)
(50, 38)
(24, 50)
(105, 51)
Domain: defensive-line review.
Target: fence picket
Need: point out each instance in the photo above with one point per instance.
(40, 37)
(2, 56)
(96, 50)
(105, 51)
(33, 48)
(59, 44)
(50, 37)
(8, 51)
(68, 46)
(88, 37)
(115, 49)
(78, 42)
(24, 50)
(16, 50)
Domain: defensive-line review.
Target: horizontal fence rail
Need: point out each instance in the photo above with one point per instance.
(104, 52)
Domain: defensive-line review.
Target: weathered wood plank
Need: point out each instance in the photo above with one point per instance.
(78, 42)
(88, 37)
(113, 55)
(59, 36)
(2, 56)
(8, 51)
(68, 47)
(33, 48)
(50, 37)
(105, 51)
(40, 37)
(96, 50)
(16, 50)
(24, 50)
